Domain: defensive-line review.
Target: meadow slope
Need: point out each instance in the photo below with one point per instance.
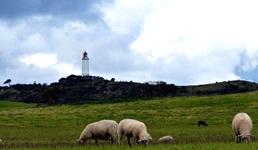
(27, 126)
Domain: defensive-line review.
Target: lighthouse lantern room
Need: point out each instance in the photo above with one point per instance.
(85, 64)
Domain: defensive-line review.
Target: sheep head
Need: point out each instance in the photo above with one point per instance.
(245, 138)
(144, 140)
(80, 141)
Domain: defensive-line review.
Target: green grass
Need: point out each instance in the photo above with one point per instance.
(25, 126)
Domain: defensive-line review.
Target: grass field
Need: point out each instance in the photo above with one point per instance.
(25, 126)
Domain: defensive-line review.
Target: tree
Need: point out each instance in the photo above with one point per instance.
(8, 81)
(113, 80)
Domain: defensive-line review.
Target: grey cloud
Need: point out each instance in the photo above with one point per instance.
(86, 10)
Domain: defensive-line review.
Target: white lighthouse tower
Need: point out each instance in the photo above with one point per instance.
(85, 64)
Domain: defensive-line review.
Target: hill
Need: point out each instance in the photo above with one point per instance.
(94, 89)
(237, 86)
(24, 126)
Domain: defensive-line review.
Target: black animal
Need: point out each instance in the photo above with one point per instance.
(203, 123)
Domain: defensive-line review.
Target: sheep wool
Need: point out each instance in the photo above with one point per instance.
(166, 139)
(133, 128)
(103, 130)
(242, 126)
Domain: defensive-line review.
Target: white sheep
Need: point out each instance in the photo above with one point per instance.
(133, 128)
(103, 130)
(166, 139)
(242, 126)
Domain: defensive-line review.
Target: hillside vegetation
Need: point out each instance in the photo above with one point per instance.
(92, 89)
(27, 126)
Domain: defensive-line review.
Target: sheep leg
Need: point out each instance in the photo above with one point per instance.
(120, 137)
(237, 136)
(137, 141)
(113, 139)
(96, 141)
(128, 141)
(236, 139)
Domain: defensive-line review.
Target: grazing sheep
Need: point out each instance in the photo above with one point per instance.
(133, 128)
(203, 123)
(103, 130)
(166, 139)
(242, 126)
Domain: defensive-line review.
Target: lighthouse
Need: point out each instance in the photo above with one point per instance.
(85, 64)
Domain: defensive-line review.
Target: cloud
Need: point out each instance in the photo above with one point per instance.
(62, 10)
(43, 61)
(208, 36)
(125, 16)
(39, 60)
(181, 42)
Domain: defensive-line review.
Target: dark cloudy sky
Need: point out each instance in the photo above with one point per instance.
(183, 42)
